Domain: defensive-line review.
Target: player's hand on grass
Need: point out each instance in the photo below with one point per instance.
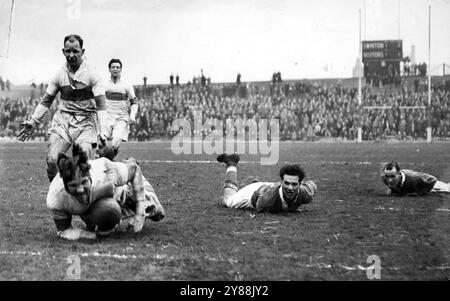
(27, 131)
(389, 192)
(75, 234)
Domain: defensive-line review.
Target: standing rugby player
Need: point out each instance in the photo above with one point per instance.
(81, 110)
(118, 92)
(272, 197)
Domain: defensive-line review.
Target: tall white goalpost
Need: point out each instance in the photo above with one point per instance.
(429, 76)
(359, 79)
(428, 129)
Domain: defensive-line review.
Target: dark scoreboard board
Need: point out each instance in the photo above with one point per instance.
(384, 50)
(382, 59)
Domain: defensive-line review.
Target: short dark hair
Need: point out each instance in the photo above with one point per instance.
(392, 165)
(71, 167)
(292, 170)
(71, 37)
(112, 61)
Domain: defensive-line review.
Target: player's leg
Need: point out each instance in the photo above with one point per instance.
(231, 185)
(59, 142)
(120, 133)
(56, 145)
(84, 132)
(440, 186)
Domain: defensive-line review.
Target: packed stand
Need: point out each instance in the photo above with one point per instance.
(306, 111)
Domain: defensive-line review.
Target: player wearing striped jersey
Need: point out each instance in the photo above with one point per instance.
(82, 98)
(81, 183)
(118, 92)
(405, 181)
(273, 197)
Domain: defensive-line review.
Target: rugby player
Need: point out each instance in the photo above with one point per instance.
(117, 92)
(82, 98)
(81, 183)
(272, 197)
(405, 181)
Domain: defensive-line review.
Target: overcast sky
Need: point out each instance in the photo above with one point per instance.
(301, 39)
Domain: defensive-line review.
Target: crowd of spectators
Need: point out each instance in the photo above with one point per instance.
(305, 111)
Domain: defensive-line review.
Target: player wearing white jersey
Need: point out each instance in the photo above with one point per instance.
(81, 183)
(118, 92)
(82, 96)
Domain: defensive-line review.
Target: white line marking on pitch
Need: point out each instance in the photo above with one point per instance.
(319, 265)
(250, 162)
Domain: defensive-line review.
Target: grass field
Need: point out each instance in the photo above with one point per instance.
(331, 239)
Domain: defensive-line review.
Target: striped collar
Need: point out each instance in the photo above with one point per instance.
(283, 202)
(403, 178)
(117, 81)
(81, 75)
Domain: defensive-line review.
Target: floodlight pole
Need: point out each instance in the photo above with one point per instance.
(429, 76)
(359, 81)
(10, 27)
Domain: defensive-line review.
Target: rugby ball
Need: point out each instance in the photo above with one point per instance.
(105, 214)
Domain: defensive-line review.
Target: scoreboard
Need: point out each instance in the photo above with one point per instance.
(382, 58)
(385, 50)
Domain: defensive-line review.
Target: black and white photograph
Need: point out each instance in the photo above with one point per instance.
(224, 145)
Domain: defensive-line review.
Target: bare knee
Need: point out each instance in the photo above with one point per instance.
(87, 147)
(115, 143)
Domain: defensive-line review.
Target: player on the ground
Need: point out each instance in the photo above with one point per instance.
(118, 92)
(273, 197)
(82, 96)
(81, 183)
(405, 181)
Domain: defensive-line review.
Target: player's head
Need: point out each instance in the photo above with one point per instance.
(115, 67)
(73, 49)
(75, 174)
(291, 176)
(391, 172)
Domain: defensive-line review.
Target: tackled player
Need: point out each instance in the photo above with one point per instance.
(81, 183)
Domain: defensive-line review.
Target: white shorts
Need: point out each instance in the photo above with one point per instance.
(74, 128)
(118, 127)
(242, 198)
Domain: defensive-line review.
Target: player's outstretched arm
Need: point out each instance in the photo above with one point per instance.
(130, 173)
(102, 117)
(133, 110)
(41, 110)
(76, 233)
(63, 221)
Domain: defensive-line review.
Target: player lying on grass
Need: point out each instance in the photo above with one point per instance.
(273, 197)
(96, 190)
(405, 181)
